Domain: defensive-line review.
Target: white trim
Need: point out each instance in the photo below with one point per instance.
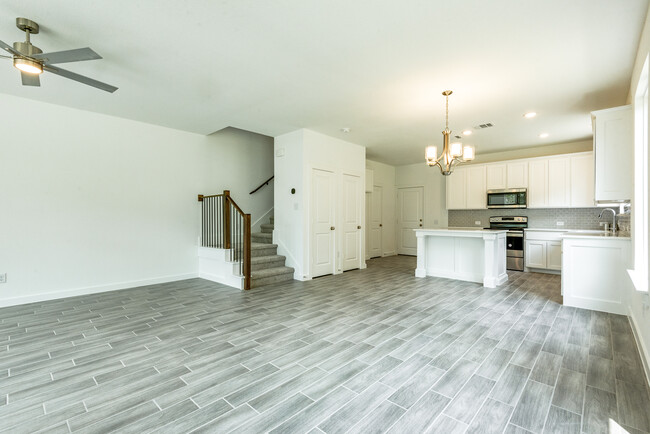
(45, 296)
(643, 350)
(257, 224)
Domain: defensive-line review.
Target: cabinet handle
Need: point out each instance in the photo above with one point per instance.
(331, 228)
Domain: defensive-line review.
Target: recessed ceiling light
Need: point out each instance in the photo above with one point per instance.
(530, 115)
(467, 132)
(345, 130)
(543, 135)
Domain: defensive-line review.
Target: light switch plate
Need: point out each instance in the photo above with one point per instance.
(477, 222)
(3, 277)
(559, 223)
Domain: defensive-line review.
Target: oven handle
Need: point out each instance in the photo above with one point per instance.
(514, 234)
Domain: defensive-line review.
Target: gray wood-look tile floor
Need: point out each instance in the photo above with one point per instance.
(374, 350)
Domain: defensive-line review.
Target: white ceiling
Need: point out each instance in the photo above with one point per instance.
(377, 67)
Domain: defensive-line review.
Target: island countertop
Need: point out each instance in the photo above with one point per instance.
(459, 231)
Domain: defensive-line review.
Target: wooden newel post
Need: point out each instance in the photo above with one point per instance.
(247, 251)
(226, 219)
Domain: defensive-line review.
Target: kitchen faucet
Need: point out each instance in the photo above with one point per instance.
(613, 218)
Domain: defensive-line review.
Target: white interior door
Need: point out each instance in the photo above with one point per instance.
(322, 222)
(409, 217)
(351, 222)
(375, 227)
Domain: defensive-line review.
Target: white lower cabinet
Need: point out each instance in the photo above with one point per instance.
(544, 250)
(594, 273)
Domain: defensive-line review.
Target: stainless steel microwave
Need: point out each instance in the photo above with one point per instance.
(507, 198)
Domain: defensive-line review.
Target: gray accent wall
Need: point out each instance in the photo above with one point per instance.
(573, 218)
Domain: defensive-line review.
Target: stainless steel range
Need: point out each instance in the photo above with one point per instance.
(514, 239)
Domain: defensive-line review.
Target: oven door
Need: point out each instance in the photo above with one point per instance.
(515, 244)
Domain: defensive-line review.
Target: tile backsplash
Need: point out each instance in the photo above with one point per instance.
(573, 218)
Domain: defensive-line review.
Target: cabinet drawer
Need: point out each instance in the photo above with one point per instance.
(544, 235)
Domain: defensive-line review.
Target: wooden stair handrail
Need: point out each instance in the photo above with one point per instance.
(263, 184)
(226, 224)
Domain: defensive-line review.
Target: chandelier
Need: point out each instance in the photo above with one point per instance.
(452, 154)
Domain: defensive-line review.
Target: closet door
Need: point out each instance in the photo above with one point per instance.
(322, 222)
(351, 222)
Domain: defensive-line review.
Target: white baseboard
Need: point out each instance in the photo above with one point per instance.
(645, 355)
(45, 296)
(232, 281)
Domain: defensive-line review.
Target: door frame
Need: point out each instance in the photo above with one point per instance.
(398, 212)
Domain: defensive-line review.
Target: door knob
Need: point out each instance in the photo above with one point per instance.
(331, 228)
(420, 219)
(420, 224)
(358, 227)
(380, 225)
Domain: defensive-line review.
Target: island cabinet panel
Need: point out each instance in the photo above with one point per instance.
(473, 255)
(594, 273)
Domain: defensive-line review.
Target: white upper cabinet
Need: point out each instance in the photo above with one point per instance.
(582, 181)
(561, 181)
(476, 191)
(559, 189)
(613, 147)
(538, 183)
(457, 189)
(496, 176)
(517, 174)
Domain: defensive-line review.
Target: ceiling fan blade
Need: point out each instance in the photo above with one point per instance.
(80, 78)
(9, 49)
(30, 79)
(76, 55)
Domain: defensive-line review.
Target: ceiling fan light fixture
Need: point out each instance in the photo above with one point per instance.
(28, 66)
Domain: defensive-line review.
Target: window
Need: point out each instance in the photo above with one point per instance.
(640, 205)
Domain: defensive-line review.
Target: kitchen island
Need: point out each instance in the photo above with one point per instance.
(470, 254)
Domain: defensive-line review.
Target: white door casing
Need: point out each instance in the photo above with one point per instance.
(350, 222)
(409, 217)
(322, 222)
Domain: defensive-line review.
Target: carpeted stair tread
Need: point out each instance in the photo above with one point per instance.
(267, 228)
(269, 272)
(264, 259)
(258, 246)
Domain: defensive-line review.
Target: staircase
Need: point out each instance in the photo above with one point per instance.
(267, 267)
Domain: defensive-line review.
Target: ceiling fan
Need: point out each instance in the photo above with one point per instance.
(31, 61)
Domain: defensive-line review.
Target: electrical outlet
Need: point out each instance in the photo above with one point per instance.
(477, 223)
(559, 223)
(3, 277)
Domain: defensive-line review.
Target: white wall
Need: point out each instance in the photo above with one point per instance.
(296, 153)
(419, 174)
(289, 208)
(639, 312)
(384, 176)
(92, 202)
